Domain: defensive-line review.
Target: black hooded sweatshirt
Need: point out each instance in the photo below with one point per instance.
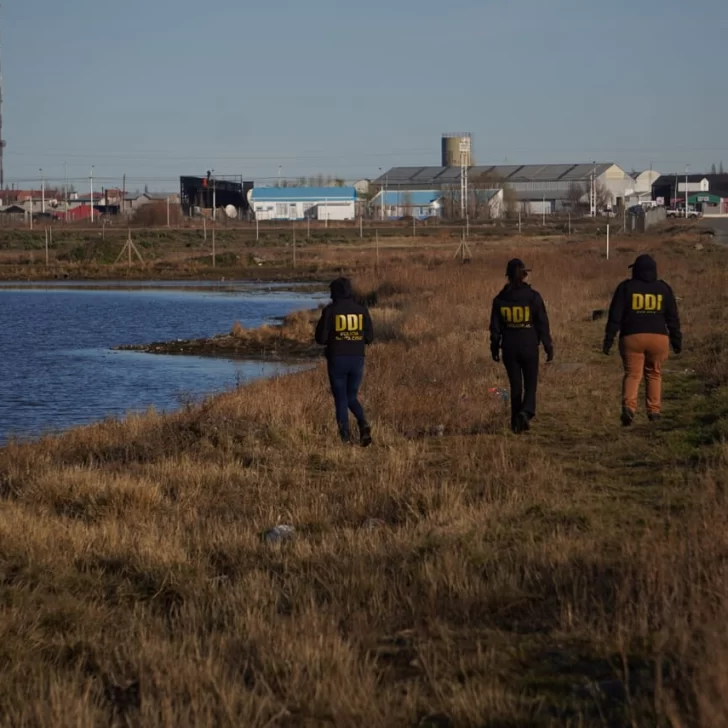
(644, 305)
(518, 321)
(345, 327)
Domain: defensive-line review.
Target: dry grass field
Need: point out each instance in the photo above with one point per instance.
(573, 576)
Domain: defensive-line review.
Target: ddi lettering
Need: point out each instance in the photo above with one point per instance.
(646, 302)
(349, 322)
(516, 316)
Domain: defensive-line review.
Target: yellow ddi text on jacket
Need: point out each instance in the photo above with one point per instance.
(349, 322)
(646, 302)
(516, 314)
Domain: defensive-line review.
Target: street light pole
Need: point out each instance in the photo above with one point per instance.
(686, 190)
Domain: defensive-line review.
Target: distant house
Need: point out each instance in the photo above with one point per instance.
(301, 203)
(75, 214)
(422, 204)
(13, 213)
(407, 203)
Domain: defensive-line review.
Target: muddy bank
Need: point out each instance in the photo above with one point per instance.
(291, 340)
(228, 346)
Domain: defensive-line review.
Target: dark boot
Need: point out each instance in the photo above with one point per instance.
(520, 423)
(365, 434)
(627, 416)
(654, 416)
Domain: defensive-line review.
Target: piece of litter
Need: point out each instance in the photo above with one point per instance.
(279, 534)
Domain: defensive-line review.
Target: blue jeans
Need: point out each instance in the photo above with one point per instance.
(345, 375)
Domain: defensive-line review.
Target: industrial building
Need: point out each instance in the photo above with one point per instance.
(548, 188)
(204, 193)
(708, 192)
(301, 203)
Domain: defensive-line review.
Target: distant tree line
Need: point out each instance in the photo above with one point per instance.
(318, 180)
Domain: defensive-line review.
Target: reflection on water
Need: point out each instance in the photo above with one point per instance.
(58, 370)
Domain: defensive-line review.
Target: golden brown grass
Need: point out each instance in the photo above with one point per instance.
(573, 576)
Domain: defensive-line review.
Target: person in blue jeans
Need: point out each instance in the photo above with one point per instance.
(345, 329)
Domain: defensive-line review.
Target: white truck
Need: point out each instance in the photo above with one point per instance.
(680, 212)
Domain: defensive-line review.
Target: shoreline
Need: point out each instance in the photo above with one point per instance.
(469, 573)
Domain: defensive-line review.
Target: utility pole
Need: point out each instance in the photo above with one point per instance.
(686, 190)
(42, 191)
(91, 183)
(65, 175)
(294, 243)
(214, 198)
(213, 244)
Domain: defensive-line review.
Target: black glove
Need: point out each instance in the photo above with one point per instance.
(677, 347)
(549, 355)
(495, 353)
(607, 346)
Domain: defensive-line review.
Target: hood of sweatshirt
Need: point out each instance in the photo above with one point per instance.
(644, 269)
(341, 288)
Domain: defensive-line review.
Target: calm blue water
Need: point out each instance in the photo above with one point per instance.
(57, 369)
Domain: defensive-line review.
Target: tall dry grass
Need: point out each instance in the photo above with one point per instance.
(573, 576)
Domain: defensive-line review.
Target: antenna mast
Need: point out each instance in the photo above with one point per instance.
(2, 141)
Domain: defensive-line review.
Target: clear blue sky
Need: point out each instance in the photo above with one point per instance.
(155, 88)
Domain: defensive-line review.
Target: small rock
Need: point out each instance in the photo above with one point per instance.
(372, 524)
(699, 246)
(438, 430)
(279, 534)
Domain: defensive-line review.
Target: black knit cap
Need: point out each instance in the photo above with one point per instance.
(514, 266)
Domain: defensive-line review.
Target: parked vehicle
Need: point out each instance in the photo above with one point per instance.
(680, 212)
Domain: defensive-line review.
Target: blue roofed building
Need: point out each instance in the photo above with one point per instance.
(421, 204)
(407, 203)
(301, 203)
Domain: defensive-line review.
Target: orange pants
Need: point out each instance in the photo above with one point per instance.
(643, 353)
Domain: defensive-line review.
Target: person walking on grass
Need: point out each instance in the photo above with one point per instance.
(518, 326)
(644, 314)
(345, 329)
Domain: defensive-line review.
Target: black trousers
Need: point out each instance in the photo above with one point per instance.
(522, 369)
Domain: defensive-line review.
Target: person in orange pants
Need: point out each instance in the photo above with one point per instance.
(644, 314)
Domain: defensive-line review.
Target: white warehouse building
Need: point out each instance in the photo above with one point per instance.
(302, 203)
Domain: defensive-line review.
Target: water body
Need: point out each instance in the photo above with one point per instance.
(57, 369)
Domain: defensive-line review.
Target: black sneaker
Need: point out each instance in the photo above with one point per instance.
(365, 435)
(654, 416)
(627, 416)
